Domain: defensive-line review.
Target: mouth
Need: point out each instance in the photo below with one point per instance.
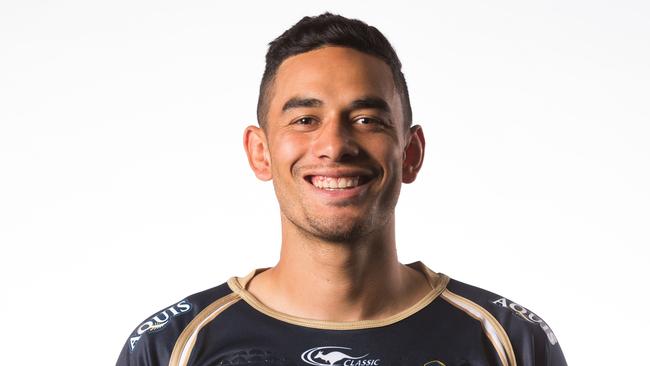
(337, 183)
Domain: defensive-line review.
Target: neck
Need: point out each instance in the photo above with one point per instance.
(349, 281)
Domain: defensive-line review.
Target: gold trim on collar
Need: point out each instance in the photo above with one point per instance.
(437, 281)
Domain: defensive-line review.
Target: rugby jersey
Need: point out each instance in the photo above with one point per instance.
(454, 324)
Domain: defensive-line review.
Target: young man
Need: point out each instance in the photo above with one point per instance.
(336, 139)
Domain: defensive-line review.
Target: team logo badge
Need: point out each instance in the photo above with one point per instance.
(336, 356)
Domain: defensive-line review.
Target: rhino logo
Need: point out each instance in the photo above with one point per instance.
(330, 356)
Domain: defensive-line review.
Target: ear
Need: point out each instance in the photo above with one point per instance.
(413, 154)
(257, 150)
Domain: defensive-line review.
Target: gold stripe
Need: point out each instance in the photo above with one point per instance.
(498, 347)
(502, 344)
(437, 281)
(185, 342)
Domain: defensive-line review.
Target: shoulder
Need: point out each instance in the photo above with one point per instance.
(522, 333)
(153, 340)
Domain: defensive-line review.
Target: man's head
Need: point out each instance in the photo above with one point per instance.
(335, 139)
(323, 30)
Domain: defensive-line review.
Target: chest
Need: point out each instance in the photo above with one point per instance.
(431, 337)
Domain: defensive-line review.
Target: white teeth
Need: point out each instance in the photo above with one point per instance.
(333, 182)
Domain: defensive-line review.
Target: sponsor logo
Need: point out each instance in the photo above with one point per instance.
(159, 321)
(527, 315)
(336, 356)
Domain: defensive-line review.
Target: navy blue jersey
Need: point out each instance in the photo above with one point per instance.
(454, 324)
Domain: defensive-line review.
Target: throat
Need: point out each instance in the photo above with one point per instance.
(342, 296)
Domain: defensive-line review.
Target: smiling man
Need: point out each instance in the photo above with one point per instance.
(335, 137)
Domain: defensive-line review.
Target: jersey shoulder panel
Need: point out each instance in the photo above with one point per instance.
(531, 338)
(152, 342)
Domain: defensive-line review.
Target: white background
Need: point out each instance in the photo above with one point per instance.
(124, 185)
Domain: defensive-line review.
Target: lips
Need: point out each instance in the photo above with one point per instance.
(338, 184)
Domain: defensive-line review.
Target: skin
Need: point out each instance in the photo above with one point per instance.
(335, 112)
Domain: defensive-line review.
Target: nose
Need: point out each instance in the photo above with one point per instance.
(335, 141)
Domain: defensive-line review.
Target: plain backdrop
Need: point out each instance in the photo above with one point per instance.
(124, 186)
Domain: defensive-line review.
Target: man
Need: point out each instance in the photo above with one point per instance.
(336, 139)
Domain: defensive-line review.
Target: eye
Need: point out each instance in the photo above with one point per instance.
(304, 121)
(367, 121)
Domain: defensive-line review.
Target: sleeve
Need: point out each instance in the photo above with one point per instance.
(144, 356)
(532, 339)
(152, 342)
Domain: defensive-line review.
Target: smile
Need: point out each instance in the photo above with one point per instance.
(336, 183)
(324, 182)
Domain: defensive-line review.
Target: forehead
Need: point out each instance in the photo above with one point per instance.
(335, 75)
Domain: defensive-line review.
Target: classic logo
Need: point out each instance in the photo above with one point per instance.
(336, 356)
(527, 315)
(159, 321)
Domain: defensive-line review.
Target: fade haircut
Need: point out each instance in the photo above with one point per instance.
(329, 29)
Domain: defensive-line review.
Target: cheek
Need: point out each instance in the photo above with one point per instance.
(393, 162)
(286, 151)
(390, 156)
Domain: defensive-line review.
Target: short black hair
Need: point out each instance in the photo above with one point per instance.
(329, 29)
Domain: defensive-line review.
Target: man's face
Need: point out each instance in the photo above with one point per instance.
(336, 142)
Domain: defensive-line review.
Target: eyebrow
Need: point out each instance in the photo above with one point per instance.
(370, 103)
(297, 102)
(362, 103)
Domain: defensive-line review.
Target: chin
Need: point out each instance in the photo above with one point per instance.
(338, 231)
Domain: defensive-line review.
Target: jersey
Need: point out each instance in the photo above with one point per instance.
(454, 324)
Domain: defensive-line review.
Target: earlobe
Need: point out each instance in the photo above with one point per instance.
(413, 155)
(256, 147)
